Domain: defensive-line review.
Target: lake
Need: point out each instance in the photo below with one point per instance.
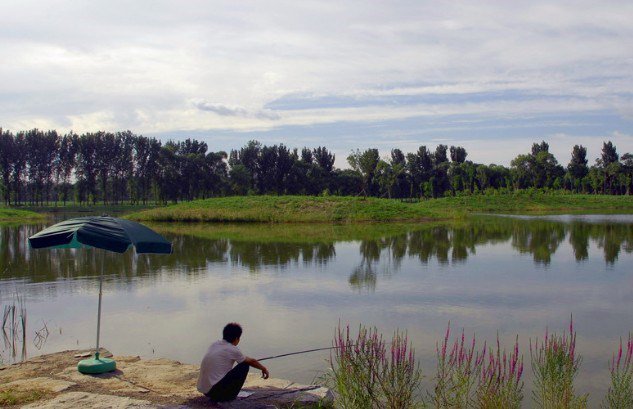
(290, 285)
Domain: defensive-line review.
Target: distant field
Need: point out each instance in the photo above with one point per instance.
(15, 215)
(282, 209)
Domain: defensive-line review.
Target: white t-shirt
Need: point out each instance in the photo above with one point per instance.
(217, 362)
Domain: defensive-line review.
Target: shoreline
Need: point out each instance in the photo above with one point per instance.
(342, 210)
(352, 210)
(12, 215)
(52, 381)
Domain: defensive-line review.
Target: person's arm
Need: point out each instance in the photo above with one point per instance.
(255, 364)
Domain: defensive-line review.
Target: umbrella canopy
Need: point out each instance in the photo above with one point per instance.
(104, 232)
(107, 233)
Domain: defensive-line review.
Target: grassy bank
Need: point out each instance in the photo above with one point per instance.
(282, 209)
(296, 233)
(15, 215)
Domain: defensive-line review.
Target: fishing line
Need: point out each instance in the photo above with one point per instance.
(299, 352)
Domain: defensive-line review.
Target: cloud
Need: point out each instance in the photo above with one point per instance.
(224, 110)
(347, 70)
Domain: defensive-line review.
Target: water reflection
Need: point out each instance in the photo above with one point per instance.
(195, 248)
(290, 285)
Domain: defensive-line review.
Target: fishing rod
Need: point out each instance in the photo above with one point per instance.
(299, 352)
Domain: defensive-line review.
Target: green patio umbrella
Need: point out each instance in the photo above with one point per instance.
(107, 233)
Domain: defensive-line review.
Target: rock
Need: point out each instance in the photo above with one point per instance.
(284, 392)
(49, 384)
(163, 376)
(140, 383)
(82, 400)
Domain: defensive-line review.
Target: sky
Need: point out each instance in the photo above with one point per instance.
(493, 77)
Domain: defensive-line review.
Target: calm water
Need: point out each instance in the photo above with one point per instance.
(290, 285)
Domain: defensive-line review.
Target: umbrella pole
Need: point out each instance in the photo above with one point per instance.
(99, 310)
(97, 364)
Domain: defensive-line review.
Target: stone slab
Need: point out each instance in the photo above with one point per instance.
(152, 383)
(83, 400)
(49, 384)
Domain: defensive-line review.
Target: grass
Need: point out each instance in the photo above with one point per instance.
(284, 209)
(297, 233)
(13, 397)
(16, 215)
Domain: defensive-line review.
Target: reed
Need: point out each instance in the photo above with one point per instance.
(41, 336)
(620, 393)
(14, 324)
(555, 365)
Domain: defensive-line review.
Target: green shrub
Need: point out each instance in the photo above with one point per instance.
(555, 365)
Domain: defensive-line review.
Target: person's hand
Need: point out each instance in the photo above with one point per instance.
(265, 373)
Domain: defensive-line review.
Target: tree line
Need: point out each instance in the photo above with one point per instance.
(39, 167)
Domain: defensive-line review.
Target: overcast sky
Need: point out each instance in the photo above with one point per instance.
(493, 77)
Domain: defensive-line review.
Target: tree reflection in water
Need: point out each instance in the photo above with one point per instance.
(255, 247)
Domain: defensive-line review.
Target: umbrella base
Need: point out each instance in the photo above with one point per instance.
(96, 365)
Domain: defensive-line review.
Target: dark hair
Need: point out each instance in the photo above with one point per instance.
(232, 331)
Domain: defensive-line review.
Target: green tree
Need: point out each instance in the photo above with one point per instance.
(65, 163)
(6, 163)
(608, 163)
(86, 167)
(142, 180)
(123, 165)
(440, 180)
(346, 182)
(283, 167)
(106, 152)
(365, 164)
(217, 173)
(537, 169)
(324, 158)
(191, 168)
(627, 171)
(240, 179)
(420, 167)
(577, 167)
(321, 175)
(596, 179)
(398, 165)
(267, 165)
(458, 154)
(170, 175)
(522, 171)
(386, 178)
(249, 157)
(306, 156)
(20, 155)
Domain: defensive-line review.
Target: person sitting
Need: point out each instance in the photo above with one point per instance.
(218, 379)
